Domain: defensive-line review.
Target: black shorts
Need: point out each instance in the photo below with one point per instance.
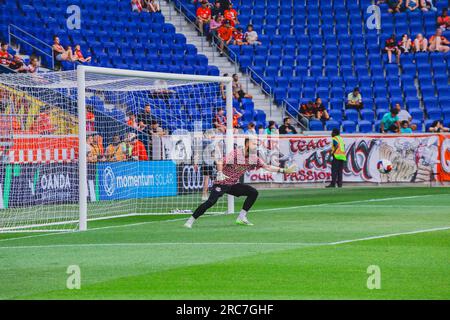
(207, 170)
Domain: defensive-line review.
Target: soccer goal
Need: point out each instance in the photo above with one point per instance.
(100, 143)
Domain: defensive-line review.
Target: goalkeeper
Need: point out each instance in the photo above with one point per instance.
(229, 172)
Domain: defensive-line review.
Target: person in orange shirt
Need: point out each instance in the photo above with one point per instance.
(203, 16)
(443, 21)
(438, 42)
(138, 150)
(232, 15)
(236, 116)
(43, 123)
(225, 33)
(79, 55)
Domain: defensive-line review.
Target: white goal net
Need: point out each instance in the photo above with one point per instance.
(147, 146)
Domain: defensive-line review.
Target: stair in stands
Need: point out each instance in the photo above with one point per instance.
(261, 101)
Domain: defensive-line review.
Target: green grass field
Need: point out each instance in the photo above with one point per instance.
(306, 244)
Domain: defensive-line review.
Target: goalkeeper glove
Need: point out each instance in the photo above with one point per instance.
(221, 176)
(290, 169)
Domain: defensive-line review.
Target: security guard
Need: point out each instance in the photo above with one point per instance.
(339, 158)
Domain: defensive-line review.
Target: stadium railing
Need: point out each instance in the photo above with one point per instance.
(19, 36)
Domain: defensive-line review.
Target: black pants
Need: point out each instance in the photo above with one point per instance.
(236, 190)
(337, 169)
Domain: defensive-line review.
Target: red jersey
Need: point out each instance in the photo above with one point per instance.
(231, 15)
(225, 33)
(236, 164)
(204, 13)
(79, 54)
(238, 36)
(4, 57)
(220, 120)
(139, 151)
(443, 21)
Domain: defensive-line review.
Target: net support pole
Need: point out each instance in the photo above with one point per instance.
(230, 135)
(82, 157)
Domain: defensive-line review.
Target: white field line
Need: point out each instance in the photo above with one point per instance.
(281, 244)
(214, 215)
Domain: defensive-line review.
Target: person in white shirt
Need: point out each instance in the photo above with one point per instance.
(251, 36)
(403, 114)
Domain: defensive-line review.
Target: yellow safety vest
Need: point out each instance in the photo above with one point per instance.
(339, 154)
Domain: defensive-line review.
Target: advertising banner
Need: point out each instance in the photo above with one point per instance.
(191, 178)
(414, 158)
(23, 185)
(443, 167)
(130, 180)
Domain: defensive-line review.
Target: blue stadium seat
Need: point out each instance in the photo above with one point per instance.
(315, 125)
(365, 126)
(348, 126)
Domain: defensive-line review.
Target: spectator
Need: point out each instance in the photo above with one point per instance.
(412, 5)
(251, 36)
(98, 147)
(225, 4)
(43, 123)
(132, 121)
(405, 127)
(152, 6)
(236, 116)
(251, 128)
(117, 150)
(59, 53)
(238, 37)
(217, 10)
(231, 15)
(223, 91)
(427, 5)
(90, 119)
(79, 55)
(18, 65)
(144, 118)
(404, 45)
(354, 100)
(392, 48)
(320, 111)
(95, 148)
(33, 67)
(5, 56)
(403, 114)
(138, 151)
(438, 42)
(155, 129)
(203, 16)
(443, 21)
(220, 120)
(390, 122)
(225, 33)
(136, 6)
(214, 25)
(271, 128)
(437, 127)
(287, 128)
(238, 89)
(420, 43)
(395, 6)
(306, 113)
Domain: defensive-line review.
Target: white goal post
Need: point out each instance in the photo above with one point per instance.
(49, 122)
(82, 71)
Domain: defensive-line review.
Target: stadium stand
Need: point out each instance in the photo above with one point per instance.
(324, 49)
(311, 49)
(116, 37)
